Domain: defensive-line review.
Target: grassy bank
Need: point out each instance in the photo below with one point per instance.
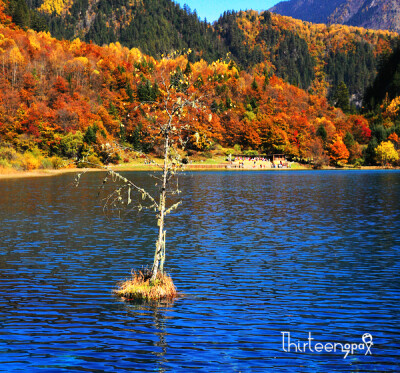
(10, 174)
(14, 174)
(140, 164)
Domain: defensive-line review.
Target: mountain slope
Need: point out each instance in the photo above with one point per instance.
(386, 85)
(374, 14)
(316, 11)
(156, 26)
(377, 14)
(303, 54)
(64, 99)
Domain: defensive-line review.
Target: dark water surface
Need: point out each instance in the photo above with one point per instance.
(255, 253)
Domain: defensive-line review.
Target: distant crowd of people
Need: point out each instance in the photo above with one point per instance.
(258, 162)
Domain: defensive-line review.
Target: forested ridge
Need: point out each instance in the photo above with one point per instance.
(273, 93)
(296, 50)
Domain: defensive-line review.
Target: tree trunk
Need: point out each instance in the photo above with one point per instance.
(159, 255)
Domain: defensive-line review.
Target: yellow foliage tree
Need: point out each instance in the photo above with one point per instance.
(56, 6)
(16, 59)
(393, 109)
(386, 153)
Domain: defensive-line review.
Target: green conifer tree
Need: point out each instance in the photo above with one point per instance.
(341, 97)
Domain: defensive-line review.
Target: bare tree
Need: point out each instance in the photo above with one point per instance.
(170, 110)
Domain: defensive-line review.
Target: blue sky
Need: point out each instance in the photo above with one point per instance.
(212, 9)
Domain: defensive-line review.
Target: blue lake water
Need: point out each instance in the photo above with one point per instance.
(256, 254)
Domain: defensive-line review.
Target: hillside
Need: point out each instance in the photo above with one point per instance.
(308, 55)
(372, 14)
(304, 54)
(316, 11)
(386, 85)
(155, 26)
(63, 99)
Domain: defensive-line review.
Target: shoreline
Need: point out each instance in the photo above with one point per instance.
(10, 174)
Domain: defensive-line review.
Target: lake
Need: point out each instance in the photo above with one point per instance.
(260, 257)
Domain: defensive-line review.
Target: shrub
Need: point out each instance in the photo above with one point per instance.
(91, 161)
(8, 153)
(115, 158)
(30, 162)
(229, 152)
(359, 162)
(71, 143)
(45, 163)
(94, 159)
(250, 152)
(9, 158)
(215, 146)
(57, 162)
(4, 163)
(17, 162)
(218, 150)
(237, 148)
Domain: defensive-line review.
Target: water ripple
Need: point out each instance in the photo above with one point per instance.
(254, 253)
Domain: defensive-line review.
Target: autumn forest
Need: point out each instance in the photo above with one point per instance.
(321, 95)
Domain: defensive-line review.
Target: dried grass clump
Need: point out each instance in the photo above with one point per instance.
(139, 287)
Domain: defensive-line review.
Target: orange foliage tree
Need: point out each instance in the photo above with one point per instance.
(338, 151)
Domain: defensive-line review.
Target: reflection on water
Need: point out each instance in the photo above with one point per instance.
(255, 253)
